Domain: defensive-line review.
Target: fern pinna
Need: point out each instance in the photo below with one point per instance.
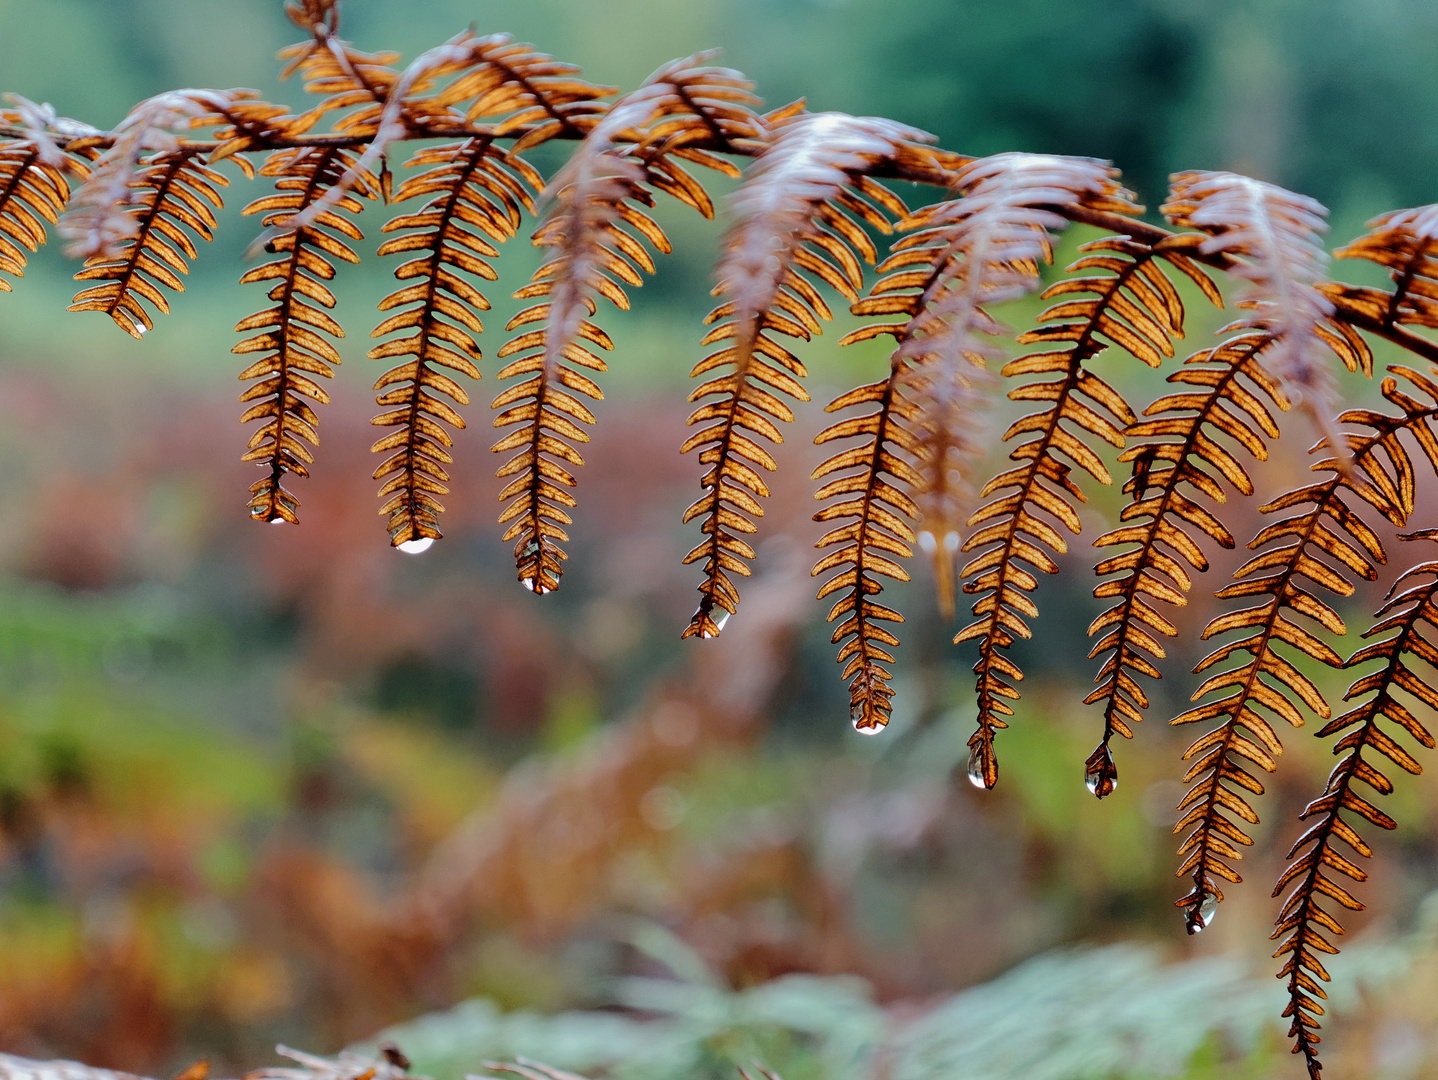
(903, 473)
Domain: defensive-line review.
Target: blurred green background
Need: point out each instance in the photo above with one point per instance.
(262, 784)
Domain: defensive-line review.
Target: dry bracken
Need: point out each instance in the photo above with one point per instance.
(906, 445)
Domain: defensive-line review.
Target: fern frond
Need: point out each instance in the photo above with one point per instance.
(792, 212)
(476, 192)
(518, 89)
(874, 504)
(169, 193)
(1305, 919)
(33, 191)
(1382, 475)
(107, 216)
(1406, 243)
(1273, 237)
(290, 332)
(1175, 456)
(599, 191)
(977, 250)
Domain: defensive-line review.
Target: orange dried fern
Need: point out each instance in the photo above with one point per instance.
(598, 192)
(1282, 574)
(1305, 919)
(792, 213)
(290, 332)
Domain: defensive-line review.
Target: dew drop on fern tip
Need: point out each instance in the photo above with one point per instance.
(976, 769)
(1206, 912)
(1099, 785)
(858, 717)
(417, 546)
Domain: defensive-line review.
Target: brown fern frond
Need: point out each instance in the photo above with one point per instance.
(872, 499)
(33, 190)
(598, 192)
(792, 213)
(111, 208)
(289, 332)
(1406, 242)
(476, 192)
(1273, 237)
(1175, 455)
(170, 193)
(1382, 475)
(974, 251)
(1304, 921)
(518, 89)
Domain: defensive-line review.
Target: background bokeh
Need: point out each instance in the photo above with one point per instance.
(263, 784)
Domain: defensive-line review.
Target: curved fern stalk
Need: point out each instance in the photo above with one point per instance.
(130, 216)
(288, 332)
(1303, 921)
(792, 213)
(1273, 236)
(594, 195)
(476, 193)
(34, 187)
(1381, 474)
(987, 247)
(1175, 456)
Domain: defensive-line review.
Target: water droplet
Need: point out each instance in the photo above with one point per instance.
(531, 549)
(722, 621)
(1099, 784)
(976, 768)
(927, 543)
(528, 583)
(1206, 912)
(140, 330)
(417, 546)
(951, 542)
(859, 717)
(277, 520)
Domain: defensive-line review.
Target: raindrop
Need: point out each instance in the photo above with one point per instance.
(277, 521)
(528, 583)
(417, 546)
(140, 330)
(1206, 912)
(976, 768)
(858, 716)
(1100, 785)
(722, 621)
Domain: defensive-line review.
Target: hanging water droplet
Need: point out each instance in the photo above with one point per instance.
(1206, 912)
(720, 622)
(277, 520)
(528, 583)
(859, 717)
(976, 768)
(927, 543)
(1099, 783)
(140, 330)
(417, 546)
